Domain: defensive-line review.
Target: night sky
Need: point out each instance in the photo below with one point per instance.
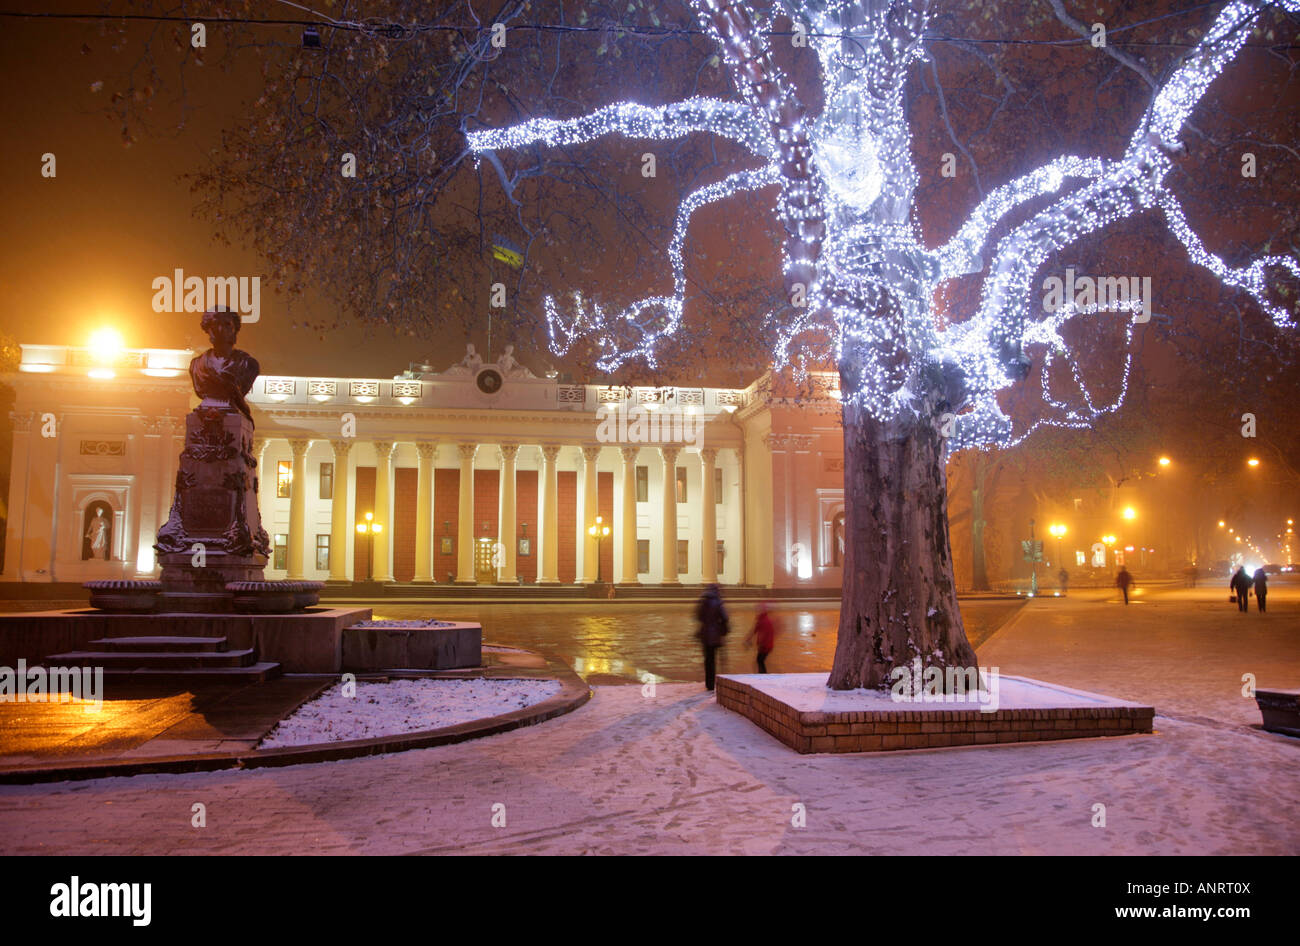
(81, 250)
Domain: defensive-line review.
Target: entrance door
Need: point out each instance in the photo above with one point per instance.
(484, 572)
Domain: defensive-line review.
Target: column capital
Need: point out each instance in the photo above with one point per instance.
(508, 451)
(259, 444)
(341, 448)
(670, 454)
(384, 449)
(299, 448)
(467, 450)
(629, 454)
(550, 451)
(427, 449)
(591, 454)
(709, 455)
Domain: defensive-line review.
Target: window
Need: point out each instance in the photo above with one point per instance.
(281, 558)
(327, 481)
(717, 486)
(642, 556)
(681, 484)
(283, 478)
(322, 552)
(1078, 505)
(683, 556)
(722, 557)
(643, 484)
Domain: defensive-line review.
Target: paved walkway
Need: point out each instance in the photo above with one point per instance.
(674, 773)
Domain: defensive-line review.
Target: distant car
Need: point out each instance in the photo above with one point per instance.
(1288, 568)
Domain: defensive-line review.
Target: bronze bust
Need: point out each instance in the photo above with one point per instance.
(223, 374)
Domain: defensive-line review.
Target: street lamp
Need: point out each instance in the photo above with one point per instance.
(1165, 461)
(369, 528)
(598, 531)
(1252, 462)
(1058, 530)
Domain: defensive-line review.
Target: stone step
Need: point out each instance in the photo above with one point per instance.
(253, 673)
(166, 660)
(157, 645)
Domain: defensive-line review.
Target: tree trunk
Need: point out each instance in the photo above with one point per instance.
(899, 599)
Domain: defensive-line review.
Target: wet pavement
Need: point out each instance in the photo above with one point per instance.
(611, 643)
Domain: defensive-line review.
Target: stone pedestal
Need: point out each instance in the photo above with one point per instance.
(214, 534)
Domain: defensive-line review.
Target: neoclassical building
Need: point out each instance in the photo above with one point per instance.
(480, 473)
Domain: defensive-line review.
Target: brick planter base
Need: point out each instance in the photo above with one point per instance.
(799, 711)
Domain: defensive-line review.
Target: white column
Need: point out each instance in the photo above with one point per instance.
(507, 573)
(465, 524)
(625, 526)
(259, 452)
(670, 514)
(549, 500)
(424, 511)
(590, 510)
(708, 517)
(737, 515)
(298, 509)
(340, 524)
(383, 510)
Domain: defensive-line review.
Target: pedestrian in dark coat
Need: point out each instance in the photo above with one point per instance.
(1122, 581)
(1240, 586)
(714, 626)
(763, 635)
(1261, 586)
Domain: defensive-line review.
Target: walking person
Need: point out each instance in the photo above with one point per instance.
(714, 626)
(763, 635)
(1261, 586)
(1122, 581)
(1240, 586)
(1063, 579)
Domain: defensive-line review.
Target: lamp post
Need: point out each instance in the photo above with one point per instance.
(369, 528)
(1058, 530)
(599, 531)
(1108, 541)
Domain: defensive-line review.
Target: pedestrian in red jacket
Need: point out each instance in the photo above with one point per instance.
(764, 635)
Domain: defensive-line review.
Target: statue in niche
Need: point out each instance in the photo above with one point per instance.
(223, 374)
(96, 539)
(837, 540)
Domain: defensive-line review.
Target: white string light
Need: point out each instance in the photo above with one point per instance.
(845, 195)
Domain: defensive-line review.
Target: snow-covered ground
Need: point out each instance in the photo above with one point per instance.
(403, 706)
(668, 771)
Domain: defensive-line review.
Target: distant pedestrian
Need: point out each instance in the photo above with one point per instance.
(763, 635)
(1063, 579)
(1122, 581)
(1261, 586)
(1190, 575)
(1240, 586)
(714, 626)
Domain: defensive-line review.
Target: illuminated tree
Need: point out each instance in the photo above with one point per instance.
(863, 284)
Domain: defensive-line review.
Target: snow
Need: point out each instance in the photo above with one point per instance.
(807, 693)
(405, 622)
(404, 706)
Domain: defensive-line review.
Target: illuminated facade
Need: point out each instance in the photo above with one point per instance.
(479, 474)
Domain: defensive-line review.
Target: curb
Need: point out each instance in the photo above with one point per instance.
(574, 693)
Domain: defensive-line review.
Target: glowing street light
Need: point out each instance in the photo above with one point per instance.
(1252, 462)
(106, 347)
(1130, 513)
(369, 528)
(599, 531)
(1165, 461)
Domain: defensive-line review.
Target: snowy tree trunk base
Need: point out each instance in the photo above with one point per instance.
(900, 599)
